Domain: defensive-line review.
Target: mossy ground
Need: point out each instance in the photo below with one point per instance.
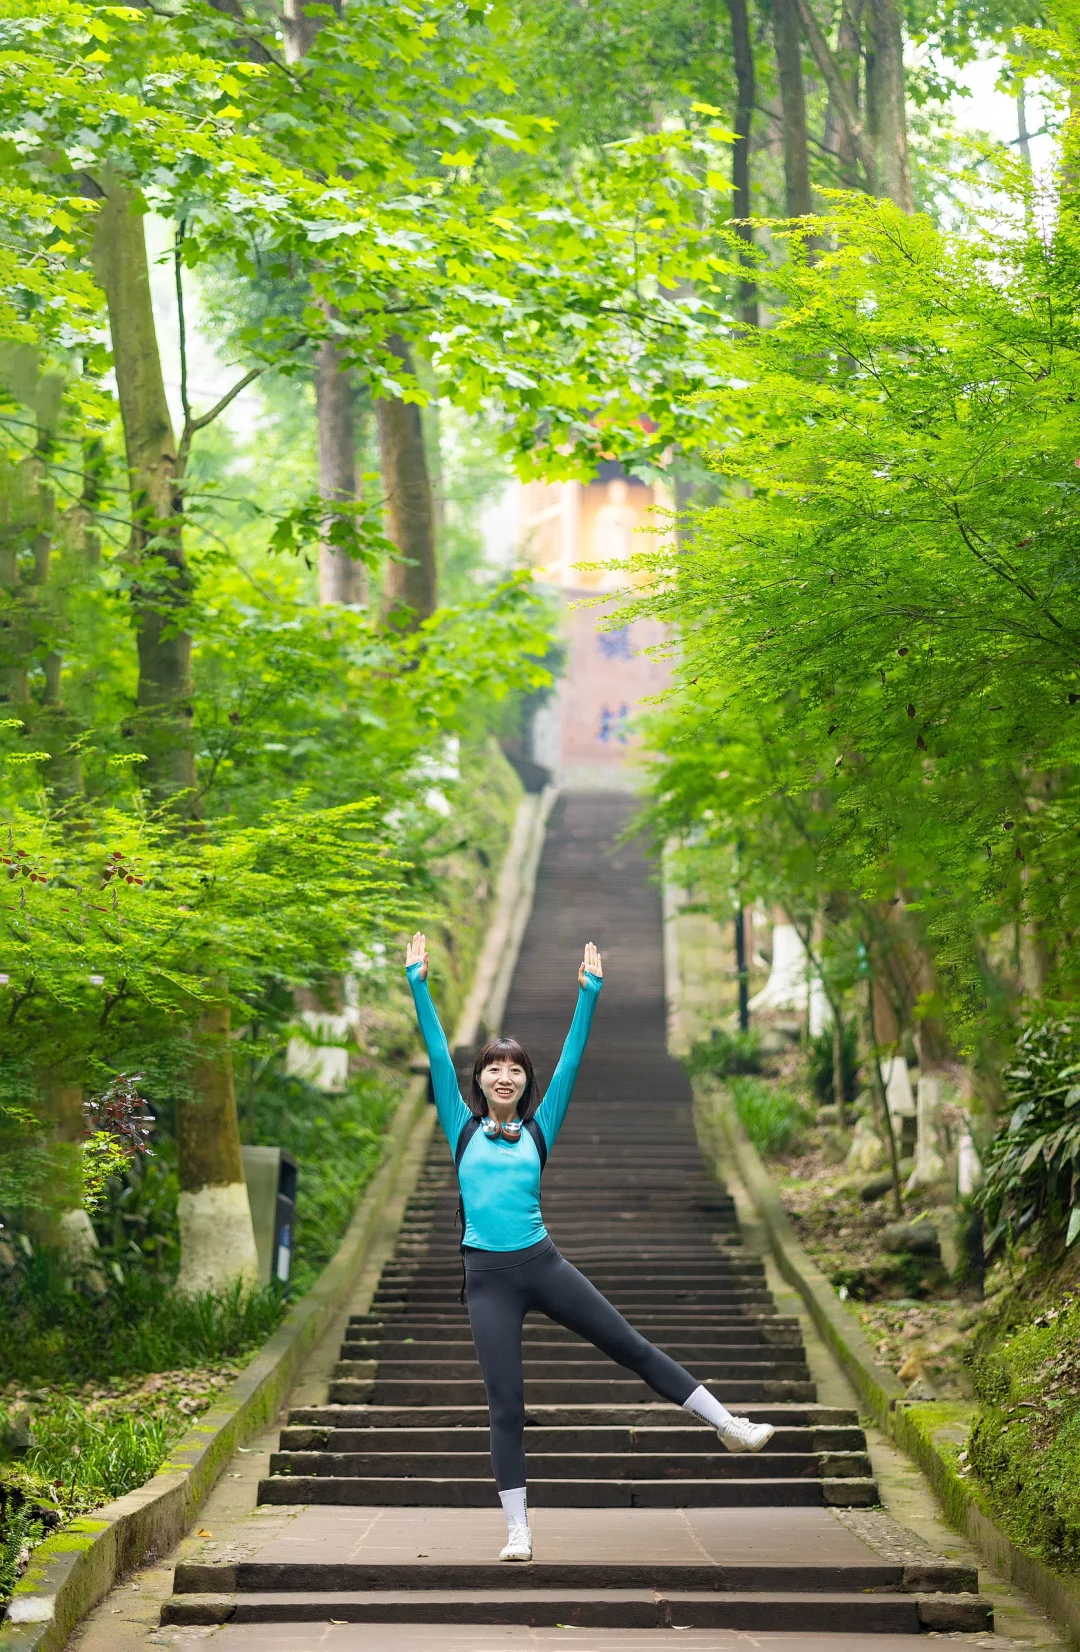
(1025, 1446)
(1015, 1353)
(1010, 1361)
(88, 1444)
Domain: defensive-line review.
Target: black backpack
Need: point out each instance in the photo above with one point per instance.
(468, 1131)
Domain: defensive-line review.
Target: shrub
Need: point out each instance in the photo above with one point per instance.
(725, 1053)
(21, 1529)
(819, 1064)
(771, 1115)
(1030, 1175)
(55, 1328)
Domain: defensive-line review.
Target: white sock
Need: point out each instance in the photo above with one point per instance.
(515, 1507)
(703, 1405)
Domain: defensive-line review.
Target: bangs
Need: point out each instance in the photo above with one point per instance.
(502, 1049)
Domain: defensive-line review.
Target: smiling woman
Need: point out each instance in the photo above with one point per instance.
(503, 1084)
(500, 1143)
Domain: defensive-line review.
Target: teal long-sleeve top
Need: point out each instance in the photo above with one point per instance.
(500, 1180)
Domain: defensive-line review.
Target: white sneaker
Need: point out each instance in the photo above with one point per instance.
(518, 1544)
(740, 1434)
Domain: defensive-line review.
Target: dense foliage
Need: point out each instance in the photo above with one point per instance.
(879, 686)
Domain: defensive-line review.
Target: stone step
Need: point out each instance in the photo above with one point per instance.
(643, 1441)
(604, 1278)
(879, 1576)
(732, 1341)
(657, 1414)
(458, 1492)
(546, 1391)
(821, 1613)
(568, 1370)
(426, 1351)
(716, 1464)
(451, 1318)
(630, 1301)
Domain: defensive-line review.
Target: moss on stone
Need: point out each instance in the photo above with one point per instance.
(1025, 1445)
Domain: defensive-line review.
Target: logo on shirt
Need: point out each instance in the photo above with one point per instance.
(506, 1152)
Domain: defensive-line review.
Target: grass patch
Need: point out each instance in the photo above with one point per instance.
(87, 1460)
(56, 1329)
(64, 1451)
(726, 1053)
(772, 1115)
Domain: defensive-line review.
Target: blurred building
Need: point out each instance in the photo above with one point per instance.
(579, 536)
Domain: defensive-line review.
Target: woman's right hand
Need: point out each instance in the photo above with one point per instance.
(416, 953)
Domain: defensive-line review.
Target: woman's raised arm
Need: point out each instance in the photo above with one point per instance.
(552, 1110)
(452, 1111)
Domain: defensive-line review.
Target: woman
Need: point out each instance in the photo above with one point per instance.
(500, 1141)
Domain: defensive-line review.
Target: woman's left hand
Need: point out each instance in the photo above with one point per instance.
(591, 963)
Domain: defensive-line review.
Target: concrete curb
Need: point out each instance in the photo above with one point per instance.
(931, 1432)
(70, 1572)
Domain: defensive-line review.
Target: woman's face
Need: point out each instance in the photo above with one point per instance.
(503, 1083)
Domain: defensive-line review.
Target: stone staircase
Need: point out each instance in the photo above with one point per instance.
(626, 1197)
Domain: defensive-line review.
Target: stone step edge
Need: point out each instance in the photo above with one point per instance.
(635, 1608)
(388, 1491)
(881, 1576)
(825, 1465)
(645, 1415)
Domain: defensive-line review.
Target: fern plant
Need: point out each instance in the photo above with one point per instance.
(1032, 1173)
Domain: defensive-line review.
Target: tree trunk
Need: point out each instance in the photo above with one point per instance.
(412, 583)
(82, 529)
(217, 1241)
(797, 198)
(741, 970)
(841, 103)
(301, 31)
(1023, 135)
(341, 576)
(839, 1087)
(16, 631)
(62, 1222)
(743, 53)
(877, 1006)
(162, 590)
(890, 113)
(837, 137)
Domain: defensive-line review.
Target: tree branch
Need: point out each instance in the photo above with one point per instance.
(191, 426)
(178, 242)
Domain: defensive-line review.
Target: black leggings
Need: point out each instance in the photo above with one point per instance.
(502, 1287)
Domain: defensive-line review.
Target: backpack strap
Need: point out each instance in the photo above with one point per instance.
(468, 1131)
(538, 1138)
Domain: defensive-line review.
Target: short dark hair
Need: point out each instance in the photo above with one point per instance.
(503, 1049)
